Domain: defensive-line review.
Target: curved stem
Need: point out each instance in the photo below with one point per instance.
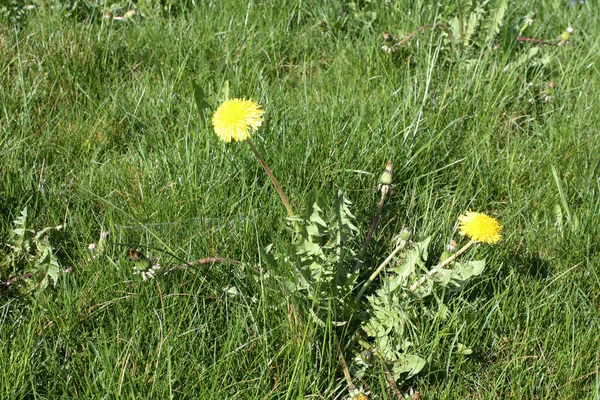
(370, 233)
(430, 25)
(539, 41)
(461, 25)
(388, 375)
(351, 387)
(284, 199)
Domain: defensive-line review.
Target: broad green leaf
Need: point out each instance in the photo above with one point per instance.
(407, 363)
(443, 276)
(471, 269)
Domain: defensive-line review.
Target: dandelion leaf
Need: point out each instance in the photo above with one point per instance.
(494, 23)
(407, 363)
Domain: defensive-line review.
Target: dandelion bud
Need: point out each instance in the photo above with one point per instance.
(451, 246)
(388, 39)
(367, 356)
(406, 233)
(565, 37)
(386, 176)
(389, 43)
(450, 249)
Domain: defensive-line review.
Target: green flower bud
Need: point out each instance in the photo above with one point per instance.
(386, 176)
(388, 38)
(406, 233)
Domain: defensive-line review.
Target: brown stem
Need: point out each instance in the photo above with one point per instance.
(351, 387)
(387, 373)
(27, 276)
(461, 25)
(370, 233)
(430, 25)
(284, 199)
(208, 260)
(539, 41)
(16, 278)
(391, 381)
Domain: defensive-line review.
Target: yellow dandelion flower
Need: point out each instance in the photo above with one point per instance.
(480, 227)
(234, 118)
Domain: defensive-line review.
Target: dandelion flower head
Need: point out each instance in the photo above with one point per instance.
(480, 227)
(234, 118)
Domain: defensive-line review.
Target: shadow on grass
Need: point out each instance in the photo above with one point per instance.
(531, 265)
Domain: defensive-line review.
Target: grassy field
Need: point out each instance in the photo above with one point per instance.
(99, 130)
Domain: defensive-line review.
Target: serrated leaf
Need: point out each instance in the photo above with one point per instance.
(413, 261)
(231, 290)
(39, 234)
(454, 25)
(523, 58)
(460, 273)
(443, 276)
(474, 19)
(19, 231)
(558, 216)
(495, 22)
(443, 311)
(53, 269)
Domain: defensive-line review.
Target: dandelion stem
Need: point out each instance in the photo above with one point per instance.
(443, 264)
(461, 25)
(391, 381)
(16, 278)
(533, 40)
(284, 199)
(370, 233)
(351, 387)
(208, 260)
(430, 25)
(388, 375)
(379, 269)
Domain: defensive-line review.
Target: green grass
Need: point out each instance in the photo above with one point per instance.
(98, 130)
